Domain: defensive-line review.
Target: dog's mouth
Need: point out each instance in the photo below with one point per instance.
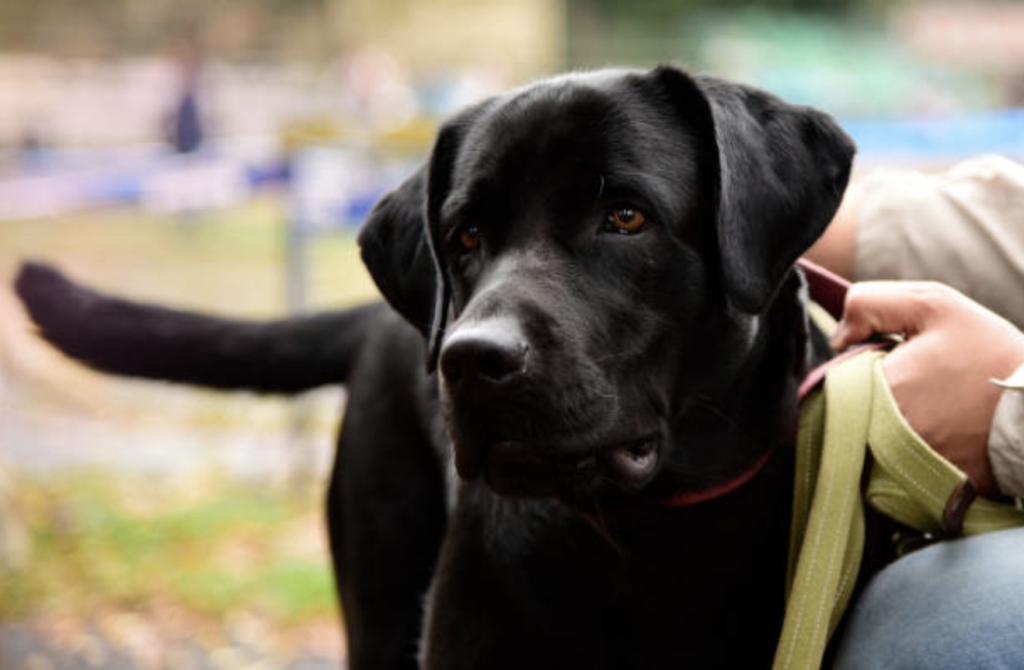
(527, 469)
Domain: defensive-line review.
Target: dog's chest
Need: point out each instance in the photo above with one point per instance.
(664, 592)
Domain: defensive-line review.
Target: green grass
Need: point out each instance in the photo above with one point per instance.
(105, 542)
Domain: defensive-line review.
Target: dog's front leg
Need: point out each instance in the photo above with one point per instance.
(386, 518)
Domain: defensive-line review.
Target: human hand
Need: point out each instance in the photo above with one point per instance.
(940, 374)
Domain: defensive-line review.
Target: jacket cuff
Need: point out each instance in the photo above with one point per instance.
(1006, 435)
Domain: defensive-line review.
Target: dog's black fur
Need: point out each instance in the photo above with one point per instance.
(587, 373)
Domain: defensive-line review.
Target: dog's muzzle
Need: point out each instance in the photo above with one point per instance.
(504, 421)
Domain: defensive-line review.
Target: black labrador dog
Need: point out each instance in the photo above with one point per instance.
(601, 266)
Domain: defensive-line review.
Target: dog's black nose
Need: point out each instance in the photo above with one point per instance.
(485, 354)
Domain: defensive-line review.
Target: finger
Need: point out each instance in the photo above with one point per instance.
(883, 307)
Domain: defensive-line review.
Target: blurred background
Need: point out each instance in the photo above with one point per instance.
(219, 155)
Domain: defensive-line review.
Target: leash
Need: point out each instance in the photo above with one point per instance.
(843, 421)
(850, 421)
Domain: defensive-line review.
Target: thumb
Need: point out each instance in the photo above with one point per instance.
(882, 307)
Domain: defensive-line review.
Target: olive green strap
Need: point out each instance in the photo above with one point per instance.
(908, 481)
(827, 505)
(914, 485)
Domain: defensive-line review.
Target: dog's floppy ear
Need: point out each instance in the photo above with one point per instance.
(400, 241)
(395, 250)
(781, 172)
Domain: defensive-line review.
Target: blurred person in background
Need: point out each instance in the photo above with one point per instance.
(185, 125)
(959, 380)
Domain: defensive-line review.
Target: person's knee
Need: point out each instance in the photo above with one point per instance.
(957, 604)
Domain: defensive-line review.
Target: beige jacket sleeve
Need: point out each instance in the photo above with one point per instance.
(963, 227)
(1006, 436)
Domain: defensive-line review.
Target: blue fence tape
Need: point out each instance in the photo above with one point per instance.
(113, 177)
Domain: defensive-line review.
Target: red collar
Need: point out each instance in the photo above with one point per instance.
(828, 290)
(687, 498)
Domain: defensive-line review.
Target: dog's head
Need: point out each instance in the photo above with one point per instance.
(594, 257)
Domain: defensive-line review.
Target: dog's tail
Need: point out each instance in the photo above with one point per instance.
(130, 338)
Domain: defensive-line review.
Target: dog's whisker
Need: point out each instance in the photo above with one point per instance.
(599, 523)
(706, 403)
(609, 358)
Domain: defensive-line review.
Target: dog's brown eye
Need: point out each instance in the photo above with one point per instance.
(470, 238)
(626, 219)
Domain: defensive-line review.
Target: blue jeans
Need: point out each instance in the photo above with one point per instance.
(956, 604)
